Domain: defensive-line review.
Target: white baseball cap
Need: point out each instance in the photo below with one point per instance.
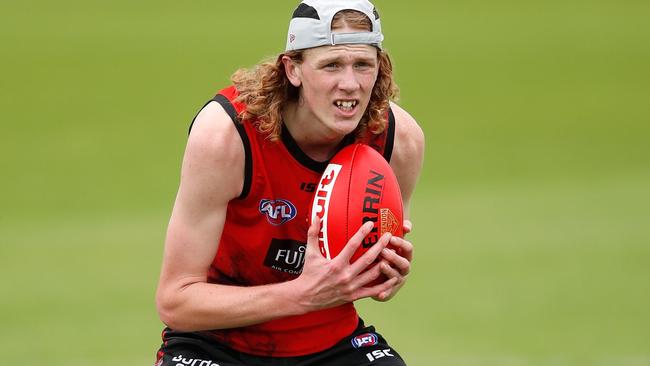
(311, 24)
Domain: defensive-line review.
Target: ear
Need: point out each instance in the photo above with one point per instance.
(292, 70)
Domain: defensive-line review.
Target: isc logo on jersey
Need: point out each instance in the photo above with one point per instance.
(277, 211)
(365, 340)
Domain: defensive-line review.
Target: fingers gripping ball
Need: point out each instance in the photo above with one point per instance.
(357, 186)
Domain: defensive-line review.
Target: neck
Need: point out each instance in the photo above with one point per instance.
(312, 139)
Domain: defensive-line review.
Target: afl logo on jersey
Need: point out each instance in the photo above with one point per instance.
(365, 340)
(277, 211)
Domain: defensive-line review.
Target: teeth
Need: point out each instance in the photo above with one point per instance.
(346, 103)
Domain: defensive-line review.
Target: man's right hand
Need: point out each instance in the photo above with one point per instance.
(326, 283)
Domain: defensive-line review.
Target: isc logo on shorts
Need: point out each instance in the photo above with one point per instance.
(365, 340)
(277, 211)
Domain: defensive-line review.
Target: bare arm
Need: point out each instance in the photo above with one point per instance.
(408, 154)
(211, 176)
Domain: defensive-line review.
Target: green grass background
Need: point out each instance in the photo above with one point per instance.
(531, 215)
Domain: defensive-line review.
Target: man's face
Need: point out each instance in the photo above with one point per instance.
(336, 84)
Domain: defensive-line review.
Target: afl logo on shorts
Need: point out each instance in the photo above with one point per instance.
(277, 211)
(365, 340)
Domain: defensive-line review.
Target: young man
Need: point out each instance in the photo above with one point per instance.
(243, 281)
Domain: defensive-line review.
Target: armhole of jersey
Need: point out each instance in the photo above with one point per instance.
(390, 136)
(248, 162)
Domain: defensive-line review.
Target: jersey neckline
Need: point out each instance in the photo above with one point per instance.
(304, 159)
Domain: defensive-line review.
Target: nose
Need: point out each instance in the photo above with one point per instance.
(349, 82)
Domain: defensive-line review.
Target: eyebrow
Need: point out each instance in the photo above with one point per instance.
(329, 60)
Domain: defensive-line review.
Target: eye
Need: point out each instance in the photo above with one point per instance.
(363, 65)
(331, 66)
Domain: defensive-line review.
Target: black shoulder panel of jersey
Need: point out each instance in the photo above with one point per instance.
(390, 136)
(230, 109)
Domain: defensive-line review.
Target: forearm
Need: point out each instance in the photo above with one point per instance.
(202, 306)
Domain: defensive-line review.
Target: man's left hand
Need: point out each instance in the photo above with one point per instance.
(396, 262)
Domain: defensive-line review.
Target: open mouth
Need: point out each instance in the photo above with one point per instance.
(346, 105)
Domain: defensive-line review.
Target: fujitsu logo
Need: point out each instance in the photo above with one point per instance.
(286, 255)
(322, 202)
(277, 211)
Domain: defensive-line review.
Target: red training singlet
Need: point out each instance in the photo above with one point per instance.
(264, 238)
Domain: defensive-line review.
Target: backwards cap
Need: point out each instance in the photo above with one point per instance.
(311, 25)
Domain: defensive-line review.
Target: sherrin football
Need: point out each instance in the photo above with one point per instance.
(357, 186)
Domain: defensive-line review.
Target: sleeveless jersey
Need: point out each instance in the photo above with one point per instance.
(265, 235)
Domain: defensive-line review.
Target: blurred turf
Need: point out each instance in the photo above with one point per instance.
(531, 237)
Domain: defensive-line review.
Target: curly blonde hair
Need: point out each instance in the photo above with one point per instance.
(265, 88)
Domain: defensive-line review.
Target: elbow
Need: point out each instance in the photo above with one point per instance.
(167, 317)
(170, 312)
(165, 310)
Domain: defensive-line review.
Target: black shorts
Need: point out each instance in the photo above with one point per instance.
(363, 347)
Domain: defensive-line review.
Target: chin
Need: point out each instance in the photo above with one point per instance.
(346, 126)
